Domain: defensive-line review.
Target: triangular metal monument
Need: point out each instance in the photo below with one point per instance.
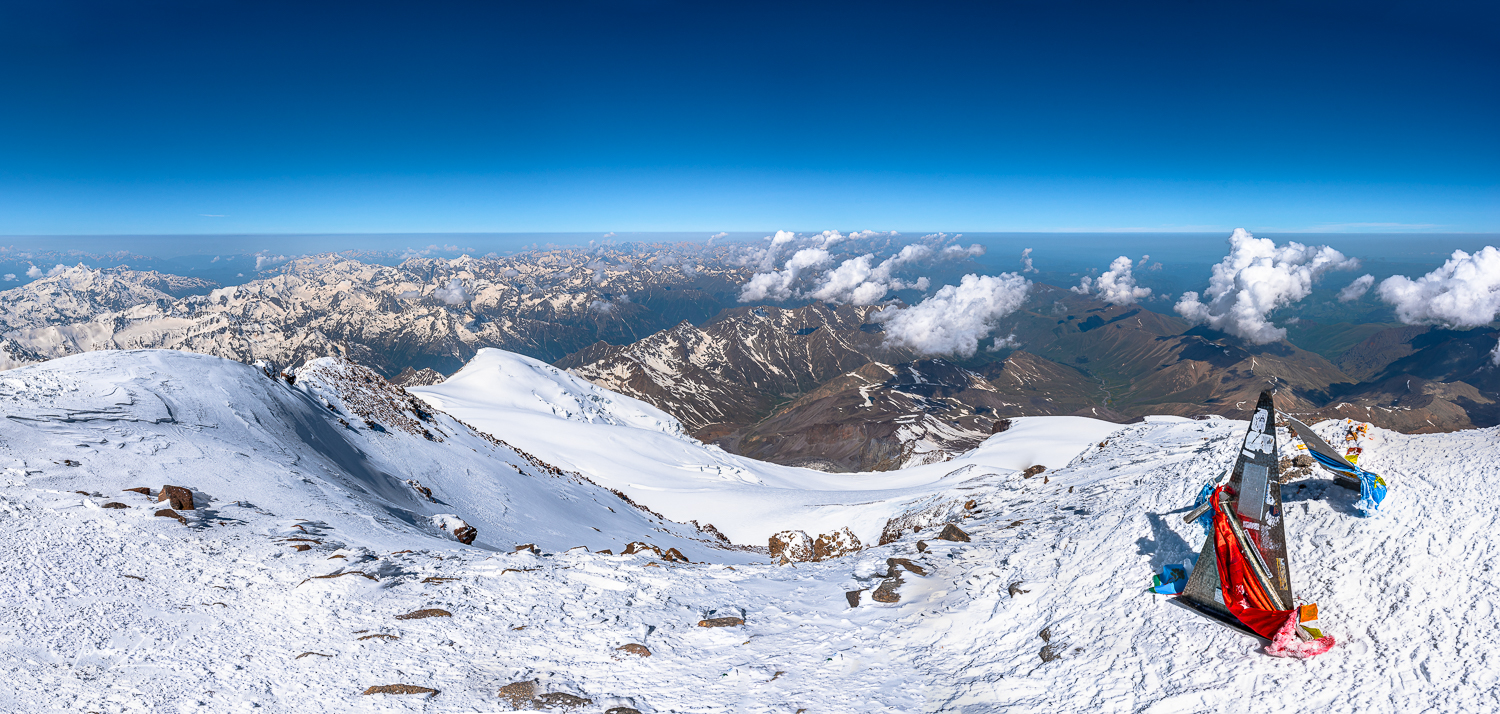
(1252, 497)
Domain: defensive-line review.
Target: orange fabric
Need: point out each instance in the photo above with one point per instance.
(1243, 595)
(1307, 613)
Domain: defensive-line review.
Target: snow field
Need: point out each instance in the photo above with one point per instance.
(1409, 595)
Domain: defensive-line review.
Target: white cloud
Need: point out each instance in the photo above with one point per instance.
(1004, 343)
(610, 234)
(453, 294)
(1357, 289)
(601, 306)
(263, 261)
(1463, 292)
(777, 285)
(1116, 286)
(1026, 266)
(955, 252)
(717, 236)
(1256, 278)
(954, 319)
(10, 277)
(855, 281)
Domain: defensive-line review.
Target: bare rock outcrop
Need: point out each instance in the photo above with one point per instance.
(791, 546)
(179, 498)
(833, 545)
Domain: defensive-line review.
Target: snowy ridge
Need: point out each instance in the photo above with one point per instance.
(110, 609)
(624, 449)
(338, 447)
(420, 313)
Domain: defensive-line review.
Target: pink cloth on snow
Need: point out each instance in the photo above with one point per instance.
(1287, 644)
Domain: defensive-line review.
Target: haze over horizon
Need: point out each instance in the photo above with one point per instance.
(213, 118)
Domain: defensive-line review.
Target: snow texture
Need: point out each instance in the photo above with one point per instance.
(1255, 278)
(1045, 609)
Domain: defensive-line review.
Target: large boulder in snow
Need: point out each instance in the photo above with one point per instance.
(833, 545)
(181, 499)
(456, 527)
(791, 546)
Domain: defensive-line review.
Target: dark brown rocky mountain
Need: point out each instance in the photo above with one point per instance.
(1420, 380)
(735, 369)
(878, 417)
(815, 386)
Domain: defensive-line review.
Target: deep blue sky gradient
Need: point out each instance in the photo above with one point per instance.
(209, 116)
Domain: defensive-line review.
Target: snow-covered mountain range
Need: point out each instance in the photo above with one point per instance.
(320, 559)
(423, 313)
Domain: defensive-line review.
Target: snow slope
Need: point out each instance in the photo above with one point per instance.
(337, 448)
(113, 610)
(626, 444)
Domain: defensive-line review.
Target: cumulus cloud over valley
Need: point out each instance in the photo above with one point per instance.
(1357, 289)
(1255, 278)
(1463, 292)
(862, 279)
(954, 319)
(1116, 286)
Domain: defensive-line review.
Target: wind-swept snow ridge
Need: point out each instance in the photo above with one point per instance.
(340, 446)
(625, 444)
(1043, 609)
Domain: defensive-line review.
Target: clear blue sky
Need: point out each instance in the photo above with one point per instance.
(203, 116)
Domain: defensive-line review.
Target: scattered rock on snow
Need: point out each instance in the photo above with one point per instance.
(889, 590)
(839, 543)
(380, 636)
(422, 614)
(456, 527)
(953, 533)
(1051, 651)
(721, 622)
(141, 490)
(853, 597)
(1015, 589)
(970, 504)
(178, 497)
(519, 694)
(301, 547)
(1033, 470)
(674, 555)
(114, 504)
(528, 546)
(793, 546)
(400, 689)
(633, 548)
(561, 701)
(621, 710)
(419, 488)
(305, 654)
(169, 513)
(635, 649)
(892, 563)
(921, 546)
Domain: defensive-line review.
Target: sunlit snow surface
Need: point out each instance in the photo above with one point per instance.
(217, 612)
